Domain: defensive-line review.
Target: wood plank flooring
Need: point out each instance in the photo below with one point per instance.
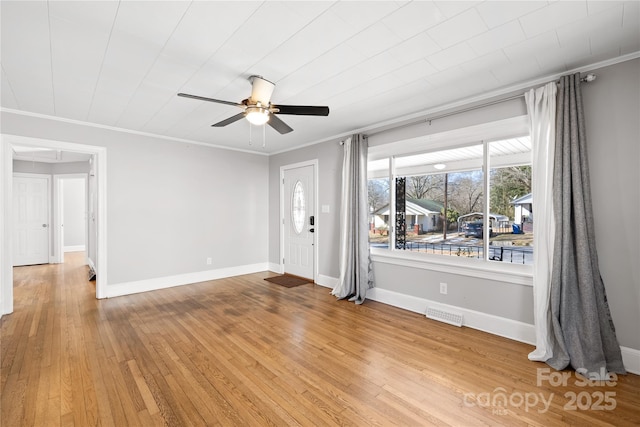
(243, 352)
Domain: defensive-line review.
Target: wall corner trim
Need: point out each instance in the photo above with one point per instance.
(134, 287)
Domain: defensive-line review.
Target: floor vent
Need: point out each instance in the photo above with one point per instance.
(444, 316)
(92, 274)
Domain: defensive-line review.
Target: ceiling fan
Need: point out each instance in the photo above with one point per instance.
(259, 110)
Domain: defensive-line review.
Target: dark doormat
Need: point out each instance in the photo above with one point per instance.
(288, 281)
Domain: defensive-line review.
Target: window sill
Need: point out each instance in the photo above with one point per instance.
(510, 273)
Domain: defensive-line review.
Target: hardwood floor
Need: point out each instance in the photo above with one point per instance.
(243, 351)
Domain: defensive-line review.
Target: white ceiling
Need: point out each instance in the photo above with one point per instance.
(122, 63)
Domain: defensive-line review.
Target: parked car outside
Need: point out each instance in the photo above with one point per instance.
(475, 229)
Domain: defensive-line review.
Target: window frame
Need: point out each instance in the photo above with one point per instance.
(518, 274)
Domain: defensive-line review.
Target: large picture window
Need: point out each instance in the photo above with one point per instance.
(443, 203)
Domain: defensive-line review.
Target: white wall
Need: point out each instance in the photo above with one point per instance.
(74, 195)
(420, 131)
(32, 167)
(613, 131)
(170, 205)
(50, 168)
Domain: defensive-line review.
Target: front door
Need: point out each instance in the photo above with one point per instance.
(31, 220)
(299, 221)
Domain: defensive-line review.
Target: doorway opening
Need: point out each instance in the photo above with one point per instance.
(74, 217)
(96, 212)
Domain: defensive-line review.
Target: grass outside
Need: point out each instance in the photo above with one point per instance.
(525, 239)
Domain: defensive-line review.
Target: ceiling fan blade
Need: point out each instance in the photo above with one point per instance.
(302, 110)
(279, 125)
(228, 121)
(261, 90)
(218, 101)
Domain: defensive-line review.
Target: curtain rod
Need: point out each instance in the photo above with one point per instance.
(586, 79)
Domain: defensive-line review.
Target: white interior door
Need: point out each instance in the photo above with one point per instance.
(31, 220)
(299, 221)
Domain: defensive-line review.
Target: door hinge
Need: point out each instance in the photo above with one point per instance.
(283, 260)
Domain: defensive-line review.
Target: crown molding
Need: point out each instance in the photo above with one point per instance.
(124, 130)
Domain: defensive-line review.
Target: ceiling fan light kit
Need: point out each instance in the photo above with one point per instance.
(257, 115)
(259, 110)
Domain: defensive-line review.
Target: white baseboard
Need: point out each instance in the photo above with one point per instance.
(276, 268)
(495, 325)
(135, 287)
(326, 281)
(76, 248)
(631, 359)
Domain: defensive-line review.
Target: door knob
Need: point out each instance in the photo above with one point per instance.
(44, 225)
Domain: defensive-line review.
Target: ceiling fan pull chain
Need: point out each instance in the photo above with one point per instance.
(264, 136)
(250, 127)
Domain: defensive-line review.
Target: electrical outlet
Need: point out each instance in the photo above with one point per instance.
(443, 288)
(209, 261)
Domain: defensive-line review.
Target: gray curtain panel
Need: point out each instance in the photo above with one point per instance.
(582, 328)
(355, 265)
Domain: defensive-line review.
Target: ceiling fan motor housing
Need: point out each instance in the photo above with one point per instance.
(261, 90)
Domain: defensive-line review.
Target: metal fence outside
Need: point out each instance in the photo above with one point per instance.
(510, 254)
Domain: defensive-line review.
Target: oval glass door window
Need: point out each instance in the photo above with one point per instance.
(298, 208)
